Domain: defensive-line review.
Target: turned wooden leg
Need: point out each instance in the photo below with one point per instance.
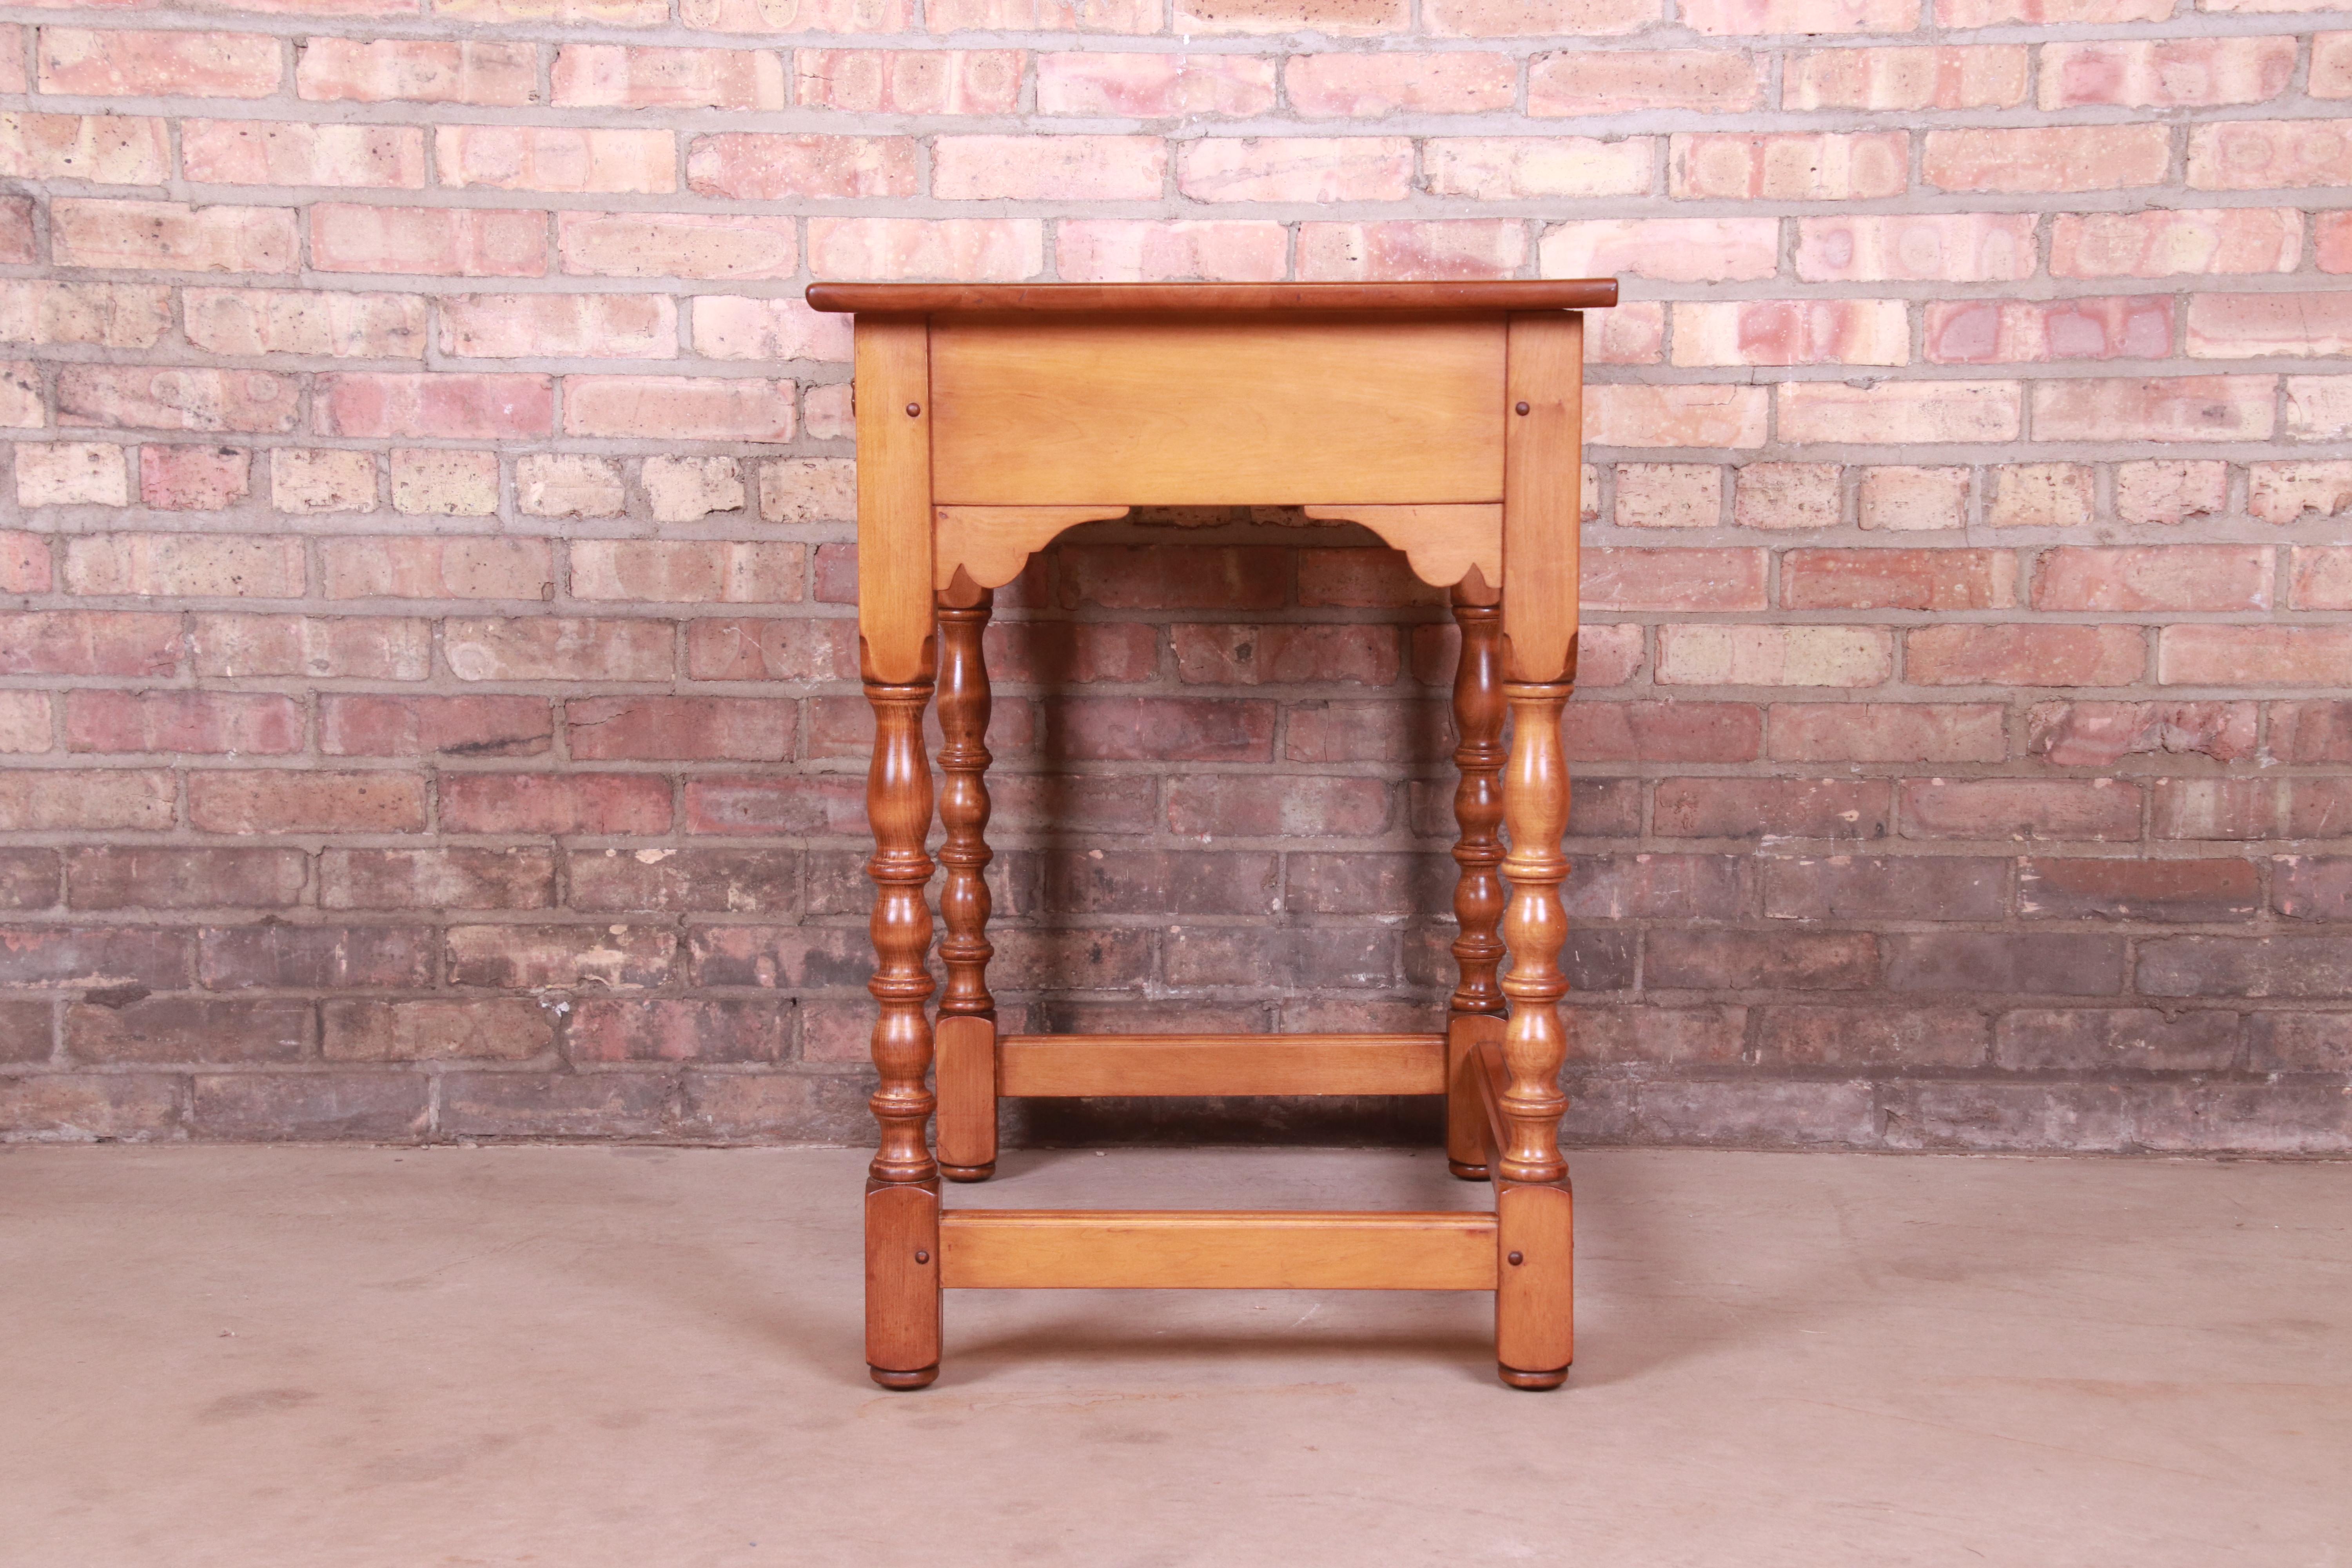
(1478, 1005)
(1533, 1327)
(967, 1035)
(902, 1196)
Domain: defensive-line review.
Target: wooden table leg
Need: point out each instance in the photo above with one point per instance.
(1532, 1323)
(967, 1035)
(1475, 1013)
(902, 1199)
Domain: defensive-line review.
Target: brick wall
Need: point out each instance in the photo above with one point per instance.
(426, 684)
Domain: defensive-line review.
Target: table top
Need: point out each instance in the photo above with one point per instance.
(1482, 296)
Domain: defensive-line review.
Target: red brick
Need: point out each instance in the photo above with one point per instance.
(2048, 963)
(2254, 656)
(2198, 890)
(2000, 331)
(1675, 414)
(61, 958)
(125, 63)
(605, 729)
(554, 803)
(367, 647)
(2298, 1042)
(181, 564)
(1296, 169)
(266, 152)
(2164, 242)
(351, 725)
(446, 242)
(88, 642)
(192, 477)
(1887, 732)
(1144, 86)
(1906, 1039)
(1673, 250)
(2319, 808)
(446, 879)
(742, 649)
(1615, 81)
(444, 405)
(2100, 735)
(2166, 73)
(1902, 412)
(2155, 577)
(1926, 248)
(1858, 809)
(1791, 332)
(2264, 154)
(2319, 577)
(25, 566)
(85, 1107)
(750, 166)
(29, 880)
(1991, 75)
(16, 247)
(1678, 731)
(529, 957)
(314, 957)
(201, 722)
(1885, 887)
(2182, 408)
(677, 1030)
(776, 804)
(2086, 1039)
(1236, 806)
(1259, 655)
(1164, 729)
(430, 1030)
(1373, 86)
(2213, 808)
(152, 877)
(2318, 407)
(2312, 886)
(436, 568)
(737, 881)
(2287, 966)
(2023, 655)
(189, 1029)
(2020, 808)
(1365, 251)
(557, 1105)
(103, 149)
(1773, 961)
(1360, 579)
(2312, 732)
(417, 71)
(553, 647)
(2168, 490)
(129, 396)
(285, 801)
(2251, 326)
(677, 409)
(1898, 580)
(1058, 652)
(933, 81)
(1173, 577)
(1628, 579)
(1792, 166)
(544, 326)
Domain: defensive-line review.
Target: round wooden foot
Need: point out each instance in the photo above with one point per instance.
(905, 1382)
(1467, 1173)
(967, 1172)
(1512, 1377)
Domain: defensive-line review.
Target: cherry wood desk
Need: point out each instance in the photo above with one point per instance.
(1446, 418)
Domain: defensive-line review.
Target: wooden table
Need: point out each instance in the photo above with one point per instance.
(1446, 418)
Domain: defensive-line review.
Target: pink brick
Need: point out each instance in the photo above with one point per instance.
(16, 238)
(2331, 66)
(745, 728)
(13, 78)
(471, 242)
(2041, 495)
(826, 414)
(1521, 168)
(2004, 332)
(1154, 86)
(1789, 166)
(1296, 169)
(2319, 577)
(1476, 248)
(554, 803)
(1924, 247)
(1898, 412)
(733, 327)
(2161, 243)
(1882, 579)
(1369, 85)
(2170, 490)
(676, 409)
(2254, 656)
(694, 571)
(1042, 15)
(2100, 735)
(1669, 495)
(971, 249)
(1043, 168)
(623, 76)
(152, 398)
(185, 565)
(2204, 577)
(2023, 655)
(1990, 76)
(1670, 251)
(1995, 13)
(2263, 155)
(1716, 580)
(555, 158)
(306, 322)
(169, 237)
(193, 479)
(1337, 18)
(1793, 332)
(104, 149)
(265, 152)
(353, 725)
(677, 244)
(2318, 407)
(1628, 415)
(1903, 499)
(1735, 18)
(71, 473)
(205, 722)
(558, 648)
(20, 395)
(2249, 326)
(2166, 73)
(416, 71)
(124, 63)
(1536, 19)
(362, 648)
(809, 16)
(1887, 732)
(446, 405)
(1634, 332)
(2172, 408)
(1120, 250)
(24, 563)
(546, 326)
(1615, 81)
(1775, 655)
(2047, 158)
(921, 82)
(756, 167)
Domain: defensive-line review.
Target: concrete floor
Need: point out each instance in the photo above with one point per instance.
(574, 1357)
